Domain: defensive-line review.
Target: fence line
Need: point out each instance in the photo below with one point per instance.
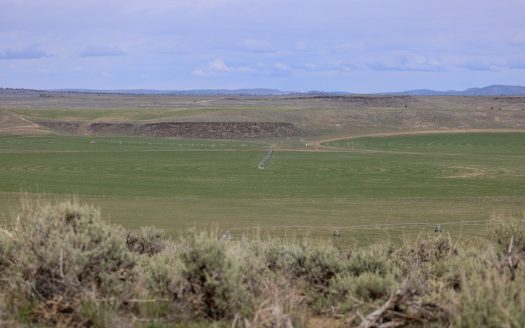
(472, 225)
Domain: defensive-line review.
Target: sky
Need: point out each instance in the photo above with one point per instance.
(357, 46)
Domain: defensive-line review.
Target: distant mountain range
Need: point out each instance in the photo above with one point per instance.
(196, 92)
(492, 90)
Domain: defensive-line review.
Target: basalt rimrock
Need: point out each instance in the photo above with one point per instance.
(224, 130)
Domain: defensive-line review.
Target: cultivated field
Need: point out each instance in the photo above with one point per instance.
(176, 184)
(366, 166)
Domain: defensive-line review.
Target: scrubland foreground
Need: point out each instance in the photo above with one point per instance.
(62, 265)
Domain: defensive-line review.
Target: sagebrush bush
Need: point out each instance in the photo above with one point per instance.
(349, 291)
(318, 265)
(163, 274)
(371, 286)
(277, 256)
(148, 240)
(214, 278)
(489, 297)
(6, 240)
(376, 259)
(423, 255)
(504, 230)
(63, 256)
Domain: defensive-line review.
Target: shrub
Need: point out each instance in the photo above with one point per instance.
(277, 256)
(6, 239)
(488, 297)
(317, 265)
(67, 256)
(148, 241)
(214, 279)
(63, 266)
(374, 259)
(163, 274)
(371, 286)
(504, 230)
(423, 254)
(348, 291)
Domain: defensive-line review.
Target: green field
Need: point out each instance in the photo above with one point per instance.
(176, 184)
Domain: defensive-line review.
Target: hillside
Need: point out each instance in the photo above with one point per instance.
(314, 115)
(492, 90)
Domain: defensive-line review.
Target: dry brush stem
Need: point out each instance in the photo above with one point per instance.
(372, 319)
(510, 260)
(401, 308)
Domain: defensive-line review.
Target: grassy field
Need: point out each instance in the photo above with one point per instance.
(177, 184)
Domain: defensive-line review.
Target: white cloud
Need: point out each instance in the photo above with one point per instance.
(218, 67)
(405, 62)
(29, 52)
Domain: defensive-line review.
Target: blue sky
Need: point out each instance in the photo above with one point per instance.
(352, 45)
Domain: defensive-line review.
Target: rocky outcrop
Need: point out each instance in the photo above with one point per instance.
(222, 130)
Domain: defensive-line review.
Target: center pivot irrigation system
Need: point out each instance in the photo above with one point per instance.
(266, 159)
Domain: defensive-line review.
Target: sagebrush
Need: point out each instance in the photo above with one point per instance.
(63, 265)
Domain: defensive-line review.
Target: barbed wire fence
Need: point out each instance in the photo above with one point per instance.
(465, 229)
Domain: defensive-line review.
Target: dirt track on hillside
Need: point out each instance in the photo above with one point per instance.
(15, 124)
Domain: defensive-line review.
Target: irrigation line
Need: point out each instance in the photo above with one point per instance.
(266, 159)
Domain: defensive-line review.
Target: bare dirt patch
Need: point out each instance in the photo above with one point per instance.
(12, 123)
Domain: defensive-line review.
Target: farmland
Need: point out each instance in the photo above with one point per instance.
(179, 183)
(342, 161)
(362, 203)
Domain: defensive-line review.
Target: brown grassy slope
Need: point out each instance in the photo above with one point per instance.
(323, 115)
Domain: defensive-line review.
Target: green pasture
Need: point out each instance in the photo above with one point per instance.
(442, 143)
(176, 184)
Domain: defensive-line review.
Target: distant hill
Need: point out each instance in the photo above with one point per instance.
(492, 90)
(206, 92)
(496, 90)
(197, 92)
